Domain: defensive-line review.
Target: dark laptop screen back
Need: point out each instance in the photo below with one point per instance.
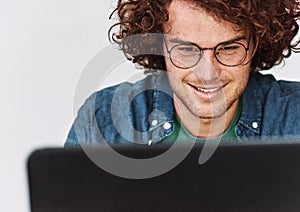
(238, 178)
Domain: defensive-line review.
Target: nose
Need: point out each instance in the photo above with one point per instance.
(207, 68)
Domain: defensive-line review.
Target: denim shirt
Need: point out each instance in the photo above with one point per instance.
(143, 112)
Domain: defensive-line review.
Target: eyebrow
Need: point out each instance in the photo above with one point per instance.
(179, 41)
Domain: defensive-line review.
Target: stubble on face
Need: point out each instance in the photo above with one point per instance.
(205, 109)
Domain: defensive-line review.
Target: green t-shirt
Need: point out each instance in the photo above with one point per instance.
(180, 133)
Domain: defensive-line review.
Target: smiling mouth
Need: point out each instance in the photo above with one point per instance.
(211, 90)
(207, 90)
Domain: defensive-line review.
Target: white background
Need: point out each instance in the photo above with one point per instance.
(44, 47)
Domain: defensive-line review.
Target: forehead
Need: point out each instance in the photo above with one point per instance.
(191, 23)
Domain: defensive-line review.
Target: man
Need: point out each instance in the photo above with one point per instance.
(209, 53)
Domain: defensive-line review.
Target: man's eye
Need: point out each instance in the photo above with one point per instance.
(229, 49)
(187, 49)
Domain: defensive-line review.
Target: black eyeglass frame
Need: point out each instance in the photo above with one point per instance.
(203, 49)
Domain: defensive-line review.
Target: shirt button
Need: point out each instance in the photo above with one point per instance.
(167, 126)
(154, 122)
(254, 125)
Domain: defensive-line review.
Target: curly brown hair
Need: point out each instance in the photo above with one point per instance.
(271, 23)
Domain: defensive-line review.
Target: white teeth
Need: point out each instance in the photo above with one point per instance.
(208, 90)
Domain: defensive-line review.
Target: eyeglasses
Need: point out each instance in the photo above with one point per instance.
(187, 55)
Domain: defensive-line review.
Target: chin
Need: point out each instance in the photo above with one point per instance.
(212, 112)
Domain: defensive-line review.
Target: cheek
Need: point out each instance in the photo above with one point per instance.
(242, 77)
(238, 77)
(177, 74)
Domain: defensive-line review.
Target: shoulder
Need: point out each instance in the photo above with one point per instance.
(279, 104)
(94, 118)
(109, 113)
(269, 85)
(141, 91)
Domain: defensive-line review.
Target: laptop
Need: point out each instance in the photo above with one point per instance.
(234, 178)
